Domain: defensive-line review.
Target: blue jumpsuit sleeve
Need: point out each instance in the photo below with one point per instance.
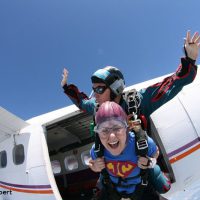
(158, 94)
(152, 148)
(80, 99)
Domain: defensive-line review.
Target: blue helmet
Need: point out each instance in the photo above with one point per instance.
(112, 77)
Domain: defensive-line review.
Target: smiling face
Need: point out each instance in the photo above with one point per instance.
(113, 135)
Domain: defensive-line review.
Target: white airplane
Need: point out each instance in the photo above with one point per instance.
(45, 158)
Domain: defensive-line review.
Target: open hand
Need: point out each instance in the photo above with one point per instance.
(192, 45)
(65, 77)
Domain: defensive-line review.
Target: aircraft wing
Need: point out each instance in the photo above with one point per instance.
(10, 124)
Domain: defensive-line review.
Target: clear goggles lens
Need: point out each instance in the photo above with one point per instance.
(104, 130)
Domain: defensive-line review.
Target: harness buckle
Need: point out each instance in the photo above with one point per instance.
(144, 182)
(133, 101)
(142, 144)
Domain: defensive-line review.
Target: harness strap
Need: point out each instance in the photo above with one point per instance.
(113, 194)
(144, 177)
(138, 124)
(98, 147)
(124, 186)
(141, 142)
(99, 151)
(125, 180)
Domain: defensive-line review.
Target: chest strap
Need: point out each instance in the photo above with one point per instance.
(125, 180)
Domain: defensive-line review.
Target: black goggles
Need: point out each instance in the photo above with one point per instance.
(99, 89)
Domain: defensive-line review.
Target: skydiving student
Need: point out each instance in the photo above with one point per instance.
(123, 167)
(108, 85)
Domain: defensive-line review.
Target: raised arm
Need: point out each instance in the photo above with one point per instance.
(80, 99)
(158, 94)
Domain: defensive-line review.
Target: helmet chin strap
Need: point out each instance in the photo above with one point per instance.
(112, 95)
(115, 98)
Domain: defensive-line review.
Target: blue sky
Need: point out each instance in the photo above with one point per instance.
(39, 37)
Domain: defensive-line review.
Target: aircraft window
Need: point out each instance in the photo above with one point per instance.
(3, 159)
(18, 154)
(85, 157)
(55, 164)
(71, 163)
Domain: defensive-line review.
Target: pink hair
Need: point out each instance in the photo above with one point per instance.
(110, 109)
